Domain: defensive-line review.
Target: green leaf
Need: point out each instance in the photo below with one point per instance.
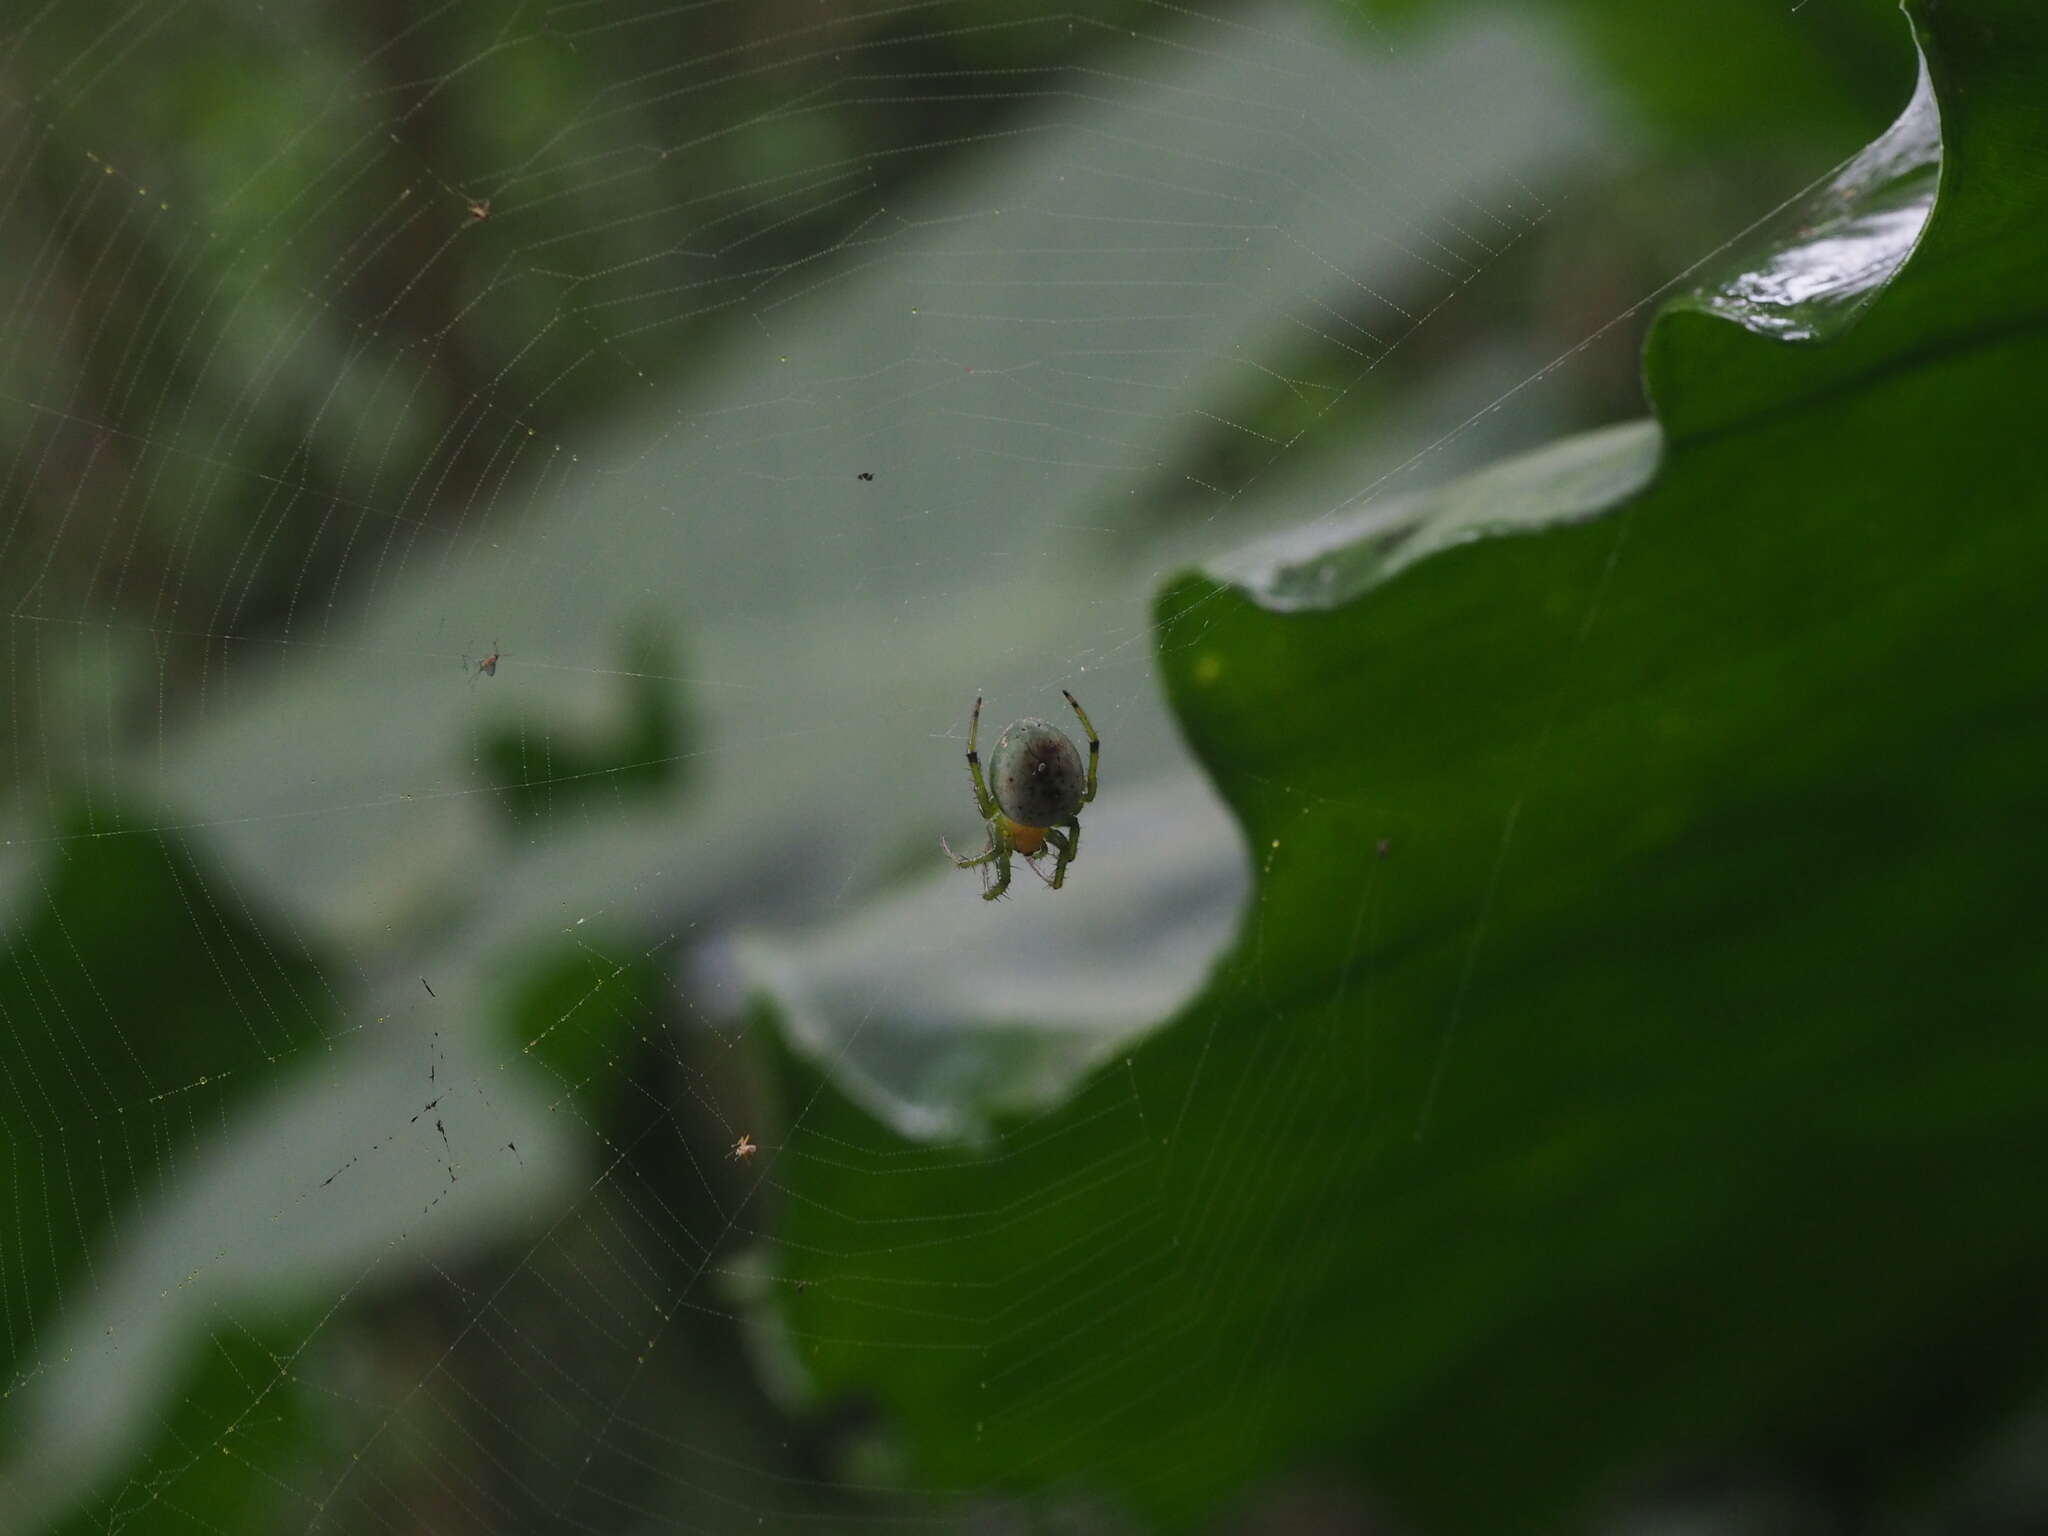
(143, 1010)
(228, 1445)
(1632, 1061)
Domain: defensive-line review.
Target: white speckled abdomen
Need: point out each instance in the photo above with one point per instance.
(1035, 774)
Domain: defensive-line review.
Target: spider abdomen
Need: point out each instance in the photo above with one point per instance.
(1035, 774)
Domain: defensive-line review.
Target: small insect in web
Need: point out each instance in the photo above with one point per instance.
(866, 474)
(742, 1149)
(488, 667)
(479, 209)
(1038, 790)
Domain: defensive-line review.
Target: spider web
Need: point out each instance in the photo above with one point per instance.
(506, 512)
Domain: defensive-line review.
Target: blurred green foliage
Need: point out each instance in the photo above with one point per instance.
(259, 282)
(1742, 77)
(1721, 102)
(538, 769)
(233, 1433)
(578, 1017)
(143, 1006)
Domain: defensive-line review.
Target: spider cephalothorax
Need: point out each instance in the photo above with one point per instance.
(1039, 788)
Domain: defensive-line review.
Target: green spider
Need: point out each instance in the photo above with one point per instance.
(1038, 790)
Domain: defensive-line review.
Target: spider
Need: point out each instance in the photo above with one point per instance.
(1038, 789)
(743, 1148)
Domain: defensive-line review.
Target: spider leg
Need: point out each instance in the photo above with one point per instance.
(984, 802)
(1001, 850)
(1094, 749)
(982, 857)
(1068, 844)
(997, 852)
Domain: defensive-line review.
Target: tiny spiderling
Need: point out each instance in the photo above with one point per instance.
(488, 667)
